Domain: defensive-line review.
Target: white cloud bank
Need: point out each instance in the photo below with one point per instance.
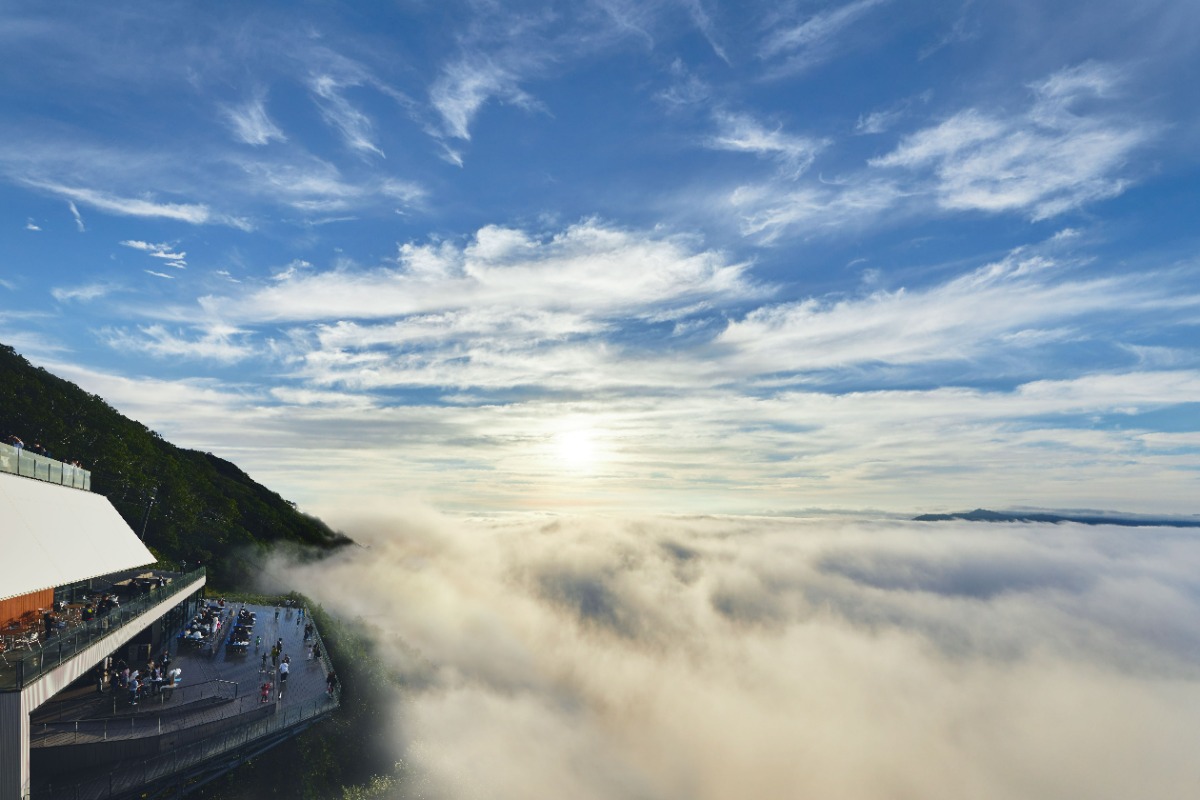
(714, 658)
(689, 380)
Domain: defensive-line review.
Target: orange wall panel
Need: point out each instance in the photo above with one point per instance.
(14, 607)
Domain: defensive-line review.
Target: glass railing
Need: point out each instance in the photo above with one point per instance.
(22, 664)
(19, 461)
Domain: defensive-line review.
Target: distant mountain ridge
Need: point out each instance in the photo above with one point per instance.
(1134, 521)
(193, 506)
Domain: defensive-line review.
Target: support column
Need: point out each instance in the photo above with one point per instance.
(14, 746)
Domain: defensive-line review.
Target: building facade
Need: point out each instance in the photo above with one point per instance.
(64, 547)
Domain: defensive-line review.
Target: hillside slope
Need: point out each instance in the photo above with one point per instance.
(193, 506)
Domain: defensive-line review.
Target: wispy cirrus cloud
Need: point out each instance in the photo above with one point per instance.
(743, 133)
(702, 19)
(193, 213)
(884, 119)
(877, 121)
(216, 342)
(1045, 161)
(76, 216)
(162, 250)
(251, 124)
(356, 128)
(772, 210)
(1064, 150)
(84, 293)
(793, 48)
(501, 49)
(315, 186)
(997, 307)
(466, 85)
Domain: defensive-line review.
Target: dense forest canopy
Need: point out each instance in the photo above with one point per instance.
(192, 506)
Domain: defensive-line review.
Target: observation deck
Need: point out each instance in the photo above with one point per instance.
(19, 461)
(90, 745)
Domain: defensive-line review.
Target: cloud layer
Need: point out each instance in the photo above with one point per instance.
(726, 657)
(477, 358)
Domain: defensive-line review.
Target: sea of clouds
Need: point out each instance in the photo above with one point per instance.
(717, 658)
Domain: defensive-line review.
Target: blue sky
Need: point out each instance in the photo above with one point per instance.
(616, 256)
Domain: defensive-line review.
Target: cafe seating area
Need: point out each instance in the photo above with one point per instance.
(89, 610)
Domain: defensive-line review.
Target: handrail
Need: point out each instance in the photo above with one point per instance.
(17, 671)
(133, 776)
(19, 461)
(145, 720)
(150, 705)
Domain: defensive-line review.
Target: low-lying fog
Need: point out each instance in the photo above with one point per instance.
(782, 658)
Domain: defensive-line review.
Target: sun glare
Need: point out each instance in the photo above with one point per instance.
(577, 448)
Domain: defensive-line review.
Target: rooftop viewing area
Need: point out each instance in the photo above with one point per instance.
(19, 460)
(31, 646)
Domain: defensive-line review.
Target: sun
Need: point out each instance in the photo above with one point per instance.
(577, 449)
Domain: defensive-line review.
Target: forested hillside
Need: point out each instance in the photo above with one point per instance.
(193, 506)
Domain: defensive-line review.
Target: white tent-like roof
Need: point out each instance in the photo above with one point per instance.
(52, 535)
